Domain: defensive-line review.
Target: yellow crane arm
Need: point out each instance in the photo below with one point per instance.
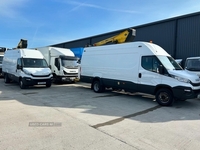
(120, 38)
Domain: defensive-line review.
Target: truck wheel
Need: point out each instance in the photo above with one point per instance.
(48, 85)
(21, 84)
(6, 78)
(164, 97)
(97, 87)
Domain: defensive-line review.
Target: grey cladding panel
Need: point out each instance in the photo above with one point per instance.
(161, 34)
(188, 37)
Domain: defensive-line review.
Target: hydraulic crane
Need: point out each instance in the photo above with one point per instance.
(125, 36)
(22, 44)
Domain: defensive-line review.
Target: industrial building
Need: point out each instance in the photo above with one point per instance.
(179, 36)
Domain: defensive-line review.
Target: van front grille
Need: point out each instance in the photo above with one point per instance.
(40, 75)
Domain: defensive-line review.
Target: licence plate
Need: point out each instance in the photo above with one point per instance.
(41, 82)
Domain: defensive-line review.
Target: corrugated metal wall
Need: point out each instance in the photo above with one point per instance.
(179, 36)
(161, 34)
(188, 37)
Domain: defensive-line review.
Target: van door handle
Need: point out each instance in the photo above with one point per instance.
(139, 75)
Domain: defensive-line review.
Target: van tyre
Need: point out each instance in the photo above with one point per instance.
(48, 85)
(21, 84)
(97, 86)
(164, 97)
(6, 79)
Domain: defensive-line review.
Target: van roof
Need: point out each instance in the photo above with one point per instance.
(29, 53)
(149, 48)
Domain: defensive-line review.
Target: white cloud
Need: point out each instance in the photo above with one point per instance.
(8, 8)
(79, 4)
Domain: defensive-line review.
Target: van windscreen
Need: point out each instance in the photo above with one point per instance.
(169, 63)
(193, 64)
(34, 63)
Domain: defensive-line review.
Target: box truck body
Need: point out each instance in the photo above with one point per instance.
(78, 51)
(28, 67)
(138, 67)
(62, 62)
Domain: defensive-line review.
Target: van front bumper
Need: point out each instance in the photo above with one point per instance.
(31, 82)
(183, 93)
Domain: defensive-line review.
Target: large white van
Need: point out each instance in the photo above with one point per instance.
(28, 67)
(138, 67)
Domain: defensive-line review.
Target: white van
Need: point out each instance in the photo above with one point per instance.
(138, 67)
(1, 59)
(28, 67)
(192, 65)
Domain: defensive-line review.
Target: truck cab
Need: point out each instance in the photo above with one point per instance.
(64, 68)
(62, 62)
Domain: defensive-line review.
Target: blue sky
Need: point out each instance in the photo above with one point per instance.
(47, 22)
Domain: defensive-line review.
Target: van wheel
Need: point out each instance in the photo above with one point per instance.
(164, 97)
(6, 78)
(97, 87)
(21, 84)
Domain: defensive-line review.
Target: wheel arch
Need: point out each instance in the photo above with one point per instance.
(96, 79)
(161, 86)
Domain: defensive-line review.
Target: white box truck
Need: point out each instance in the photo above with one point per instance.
(62, 62)
(138, 67)
(27, 67)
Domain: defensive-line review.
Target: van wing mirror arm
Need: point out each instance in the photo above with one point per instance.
(161, 69)
(19, 67)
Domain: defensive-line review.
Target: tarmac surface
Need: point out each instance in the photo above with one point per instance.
(73, 117)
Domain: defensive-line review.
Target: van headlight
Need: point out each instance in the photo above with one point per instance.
(26, 72)
(181, 79)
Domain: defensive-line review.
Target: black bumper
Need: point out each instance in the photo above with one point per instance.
(181, 92)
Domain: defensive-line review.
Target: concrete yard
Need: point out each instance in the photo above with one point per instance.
(73, 117)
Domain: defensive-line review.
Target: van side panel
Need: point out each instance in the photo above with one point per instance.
(116, 66)
(10, 62)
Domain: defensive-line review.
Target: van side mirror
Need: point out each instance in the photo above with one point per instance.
(161, 69)
(50, 66)
(19, 67)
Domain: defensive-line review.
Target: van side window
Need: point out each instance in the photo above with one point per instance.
(150, 63)
(57, 64)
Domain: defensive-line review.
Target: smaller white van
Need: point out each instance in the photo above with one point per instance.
(192, 65)
(1, 59)
(27, 67)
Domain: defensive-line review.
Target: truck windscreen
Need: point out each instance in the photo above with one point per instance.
(69, 63)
